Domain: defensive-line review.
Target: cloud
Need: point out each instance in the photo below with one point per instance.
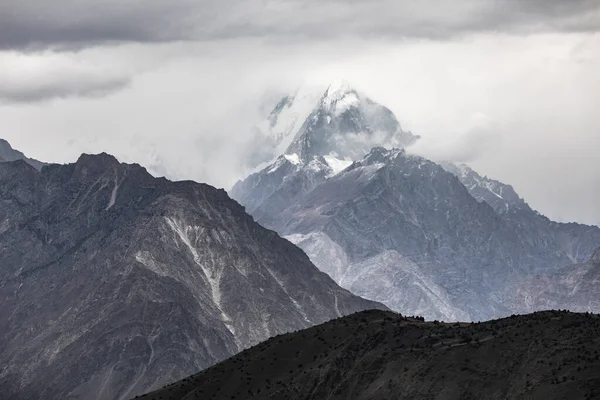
(521, 109)
(28, 78)
(36, 24)
(462, 146)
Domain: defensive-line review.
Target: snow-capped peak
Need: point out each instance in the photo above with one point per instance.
(339, 97)
(318, 121)
(293, 158)
(500, 196)
(339, 86)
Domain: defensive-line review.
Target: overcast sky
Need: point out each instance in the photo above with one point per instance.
(512, 87)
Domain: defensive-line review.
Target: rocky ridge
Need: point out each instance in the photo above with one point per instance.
(115, 282)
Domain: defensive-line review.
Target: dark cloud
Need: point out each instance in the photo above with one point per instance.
(53, 90)
(523, 109)
(38, 24)
(26, 78)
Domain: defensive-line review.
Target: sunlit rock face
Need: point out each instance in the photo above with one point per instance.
(114, 282)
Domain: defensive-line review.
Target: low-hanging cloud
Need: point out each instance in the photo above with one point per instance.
(38, 24)
(26, 78)
(475, 142)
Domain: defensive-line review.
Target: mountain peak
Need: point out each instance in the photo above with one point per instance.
(8, 153)
(92, 166)
(337, 120)
(500, 196)
(339, 97)
(348, 125)
(339, 86)
(4, 143)
(102, 160)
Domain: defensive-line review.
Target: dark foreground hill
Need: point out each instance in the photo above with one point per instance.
(381, 355)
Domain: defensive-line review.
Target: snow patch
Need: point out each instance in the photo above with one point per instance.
(348, 101)
(296, 304)
(337, 165)
(185, 232)
(113, 196)
(145, 258)
(339, 97)
(293, 158)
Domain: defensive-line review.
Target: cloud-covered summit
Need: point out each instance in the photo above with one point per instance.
(28, 78)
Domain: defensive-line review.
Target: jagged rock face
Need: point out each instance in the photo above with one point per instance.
(500, 196)
(114, 282)
(271, 191)
(401, 230)
(7, 154)
(374, 355)
(576, 241)
(342, 127)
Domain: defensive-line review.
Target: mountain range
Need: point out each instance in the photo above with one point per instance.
(114, 282)
(429, 239)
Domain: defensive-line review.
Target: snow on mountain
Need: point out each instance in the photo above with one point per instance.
(275, 134)
(402, 230)
(440, 241)
(336, 164)
(336, 122)
(500, 196)
(576, 241)
(348, 124)
(339, 97)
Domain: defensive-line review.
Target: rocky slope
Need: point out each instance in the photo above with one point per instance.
(575, 287)
(576, 241)
(402, 230)
(7, 154)
(377, 355)
(114, 282)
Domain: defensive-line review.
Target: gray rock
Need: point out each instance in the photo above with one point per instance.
(402, 230)
(576, 241)
(114, 282)
(575, 287)
(7, 154)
